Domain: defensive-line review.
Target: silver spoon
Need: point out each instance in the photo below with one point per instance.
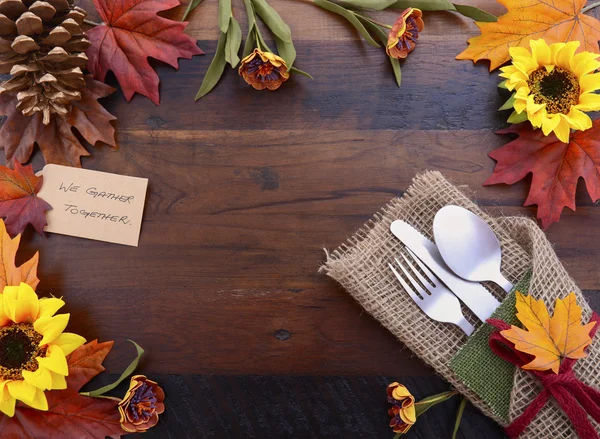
(469, 246)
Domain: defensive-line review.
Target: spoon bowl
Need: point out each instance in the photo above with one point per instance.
(469, 246)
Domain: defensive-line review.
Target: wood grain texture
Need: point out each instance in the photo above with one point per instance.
(247, 188)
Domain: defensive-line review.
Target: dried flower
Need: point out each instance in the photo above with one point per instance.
(403, 413)
(264, 70)
(403, 36)
(553, 87)
(33, 348)
(142, 404)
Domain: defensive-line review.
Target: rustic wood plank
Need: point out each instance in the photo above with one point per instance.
(225, 279)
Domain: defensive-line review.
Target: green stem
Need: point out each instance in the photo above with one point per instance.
(378, 23)
(257, 40)
(590, 7)
(459, 415)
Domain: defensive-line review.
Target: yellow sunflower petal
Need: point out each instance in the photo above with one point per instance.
(51, 327)
(519, 51)
(590, 83)
(578, 120)
(550, 123)
(589, 102)
(41, 378)
(540, 51)
(555, 49)
(565, 55)
(21, 390)
(525, 64)
(408, 414)
(49, 306)
(537, 118)
(54, 361)
(8, 407)
(39, 401)
(532, 107)
(520, 105)
(563, 130)
(68, 342)
(21, 303)
(59, 381)
(585, 66)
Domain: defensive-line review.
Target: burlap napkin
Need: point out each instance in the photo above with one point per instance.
(360, 266)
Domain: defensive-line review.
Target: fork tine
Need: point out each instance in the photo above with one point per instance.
(424, 281)
(406, 287)
(433, 279)
(414, 283)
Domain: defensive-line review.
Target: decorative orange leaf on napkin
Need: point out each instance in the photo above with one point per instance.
(69, 413)
(19, 203)
(553, 20)
(132, 31)
(10, 274)
(556, 167)
(549, 339)
(58, 143)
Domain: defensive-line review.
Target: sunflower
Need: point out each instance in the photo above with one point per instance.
(553, 87)
(33, 348)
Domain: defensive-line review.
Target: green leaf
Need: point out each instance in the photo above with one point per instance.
(300, 72)
(508, 105)
(503, 84)
(191, 6)
(425, 404)
(251, 37)
(249, 44)
(424, 5)
(475, 13)
(461, 409)
(215, 70)
(378, 5)
(273, 20)
(130, 369)
(348, 15)
(234, 41)
(224, 14)
(381, 36)
(287, 51)
(516, 118)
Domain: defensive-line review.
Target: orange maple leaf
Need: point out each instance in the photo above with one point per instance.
(553, 20)
(549, 339)
(10, 274)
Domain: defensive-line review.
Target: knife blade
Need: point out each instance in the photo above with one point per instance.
(472, 294)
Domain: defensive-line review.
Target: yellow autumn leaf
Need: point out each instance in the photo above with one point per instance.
(10, 274)
(549, 339)
(555, 21)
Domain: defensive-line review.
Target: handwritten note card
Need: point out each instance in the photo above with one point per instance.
(94, 205)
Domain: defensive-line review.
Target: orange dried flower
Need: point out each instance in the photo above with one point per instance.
(142, 404)
(403, 36)
(403, 412)
(264, 70)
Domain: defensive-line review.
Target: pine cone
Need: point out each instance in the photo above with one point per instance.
(42, 46)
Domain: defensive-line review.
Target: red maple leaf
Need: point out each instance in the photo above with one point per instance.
(59, 145)
(132, 31)
(556, 167)
(69, 413)
(19, 203)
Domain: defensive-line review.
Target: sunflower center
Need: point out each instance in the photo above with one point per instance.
(19, 347)
(558, 89)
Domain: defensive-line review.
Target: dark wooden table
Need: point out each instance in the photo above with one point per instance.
(246, 189)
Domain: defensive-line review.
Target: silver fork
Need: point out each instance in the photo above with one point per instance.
(436, 300)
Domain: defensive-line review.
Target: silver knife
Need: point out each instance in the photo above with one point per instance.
(472, 294)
